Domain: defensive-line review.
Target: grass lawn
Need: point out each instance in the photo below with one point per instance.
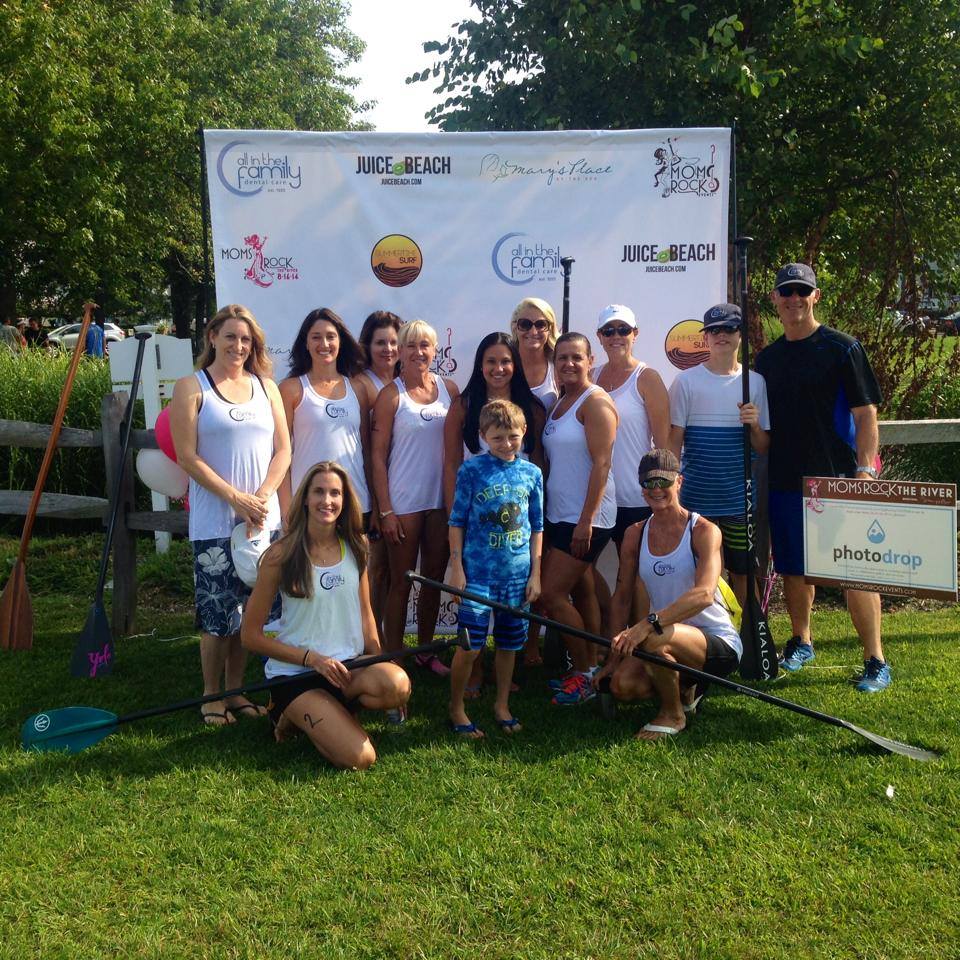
(756, 833)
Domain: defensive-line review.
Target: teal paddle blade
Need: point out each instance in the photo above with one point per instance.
(69, 728)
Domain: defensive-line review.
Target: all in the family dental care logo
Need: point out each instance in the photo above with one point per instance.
(676, 174)
(518, 259)
(245, 174)
(261, 268)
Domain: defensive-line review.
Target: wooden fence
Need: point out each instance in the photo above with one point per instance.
(14, 433)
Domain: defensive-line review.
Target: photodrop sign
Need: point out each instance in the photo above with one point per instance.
(897, 537)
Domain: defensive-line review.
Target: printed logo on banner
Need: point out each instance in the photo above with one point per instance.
(518, 259)
(668, 257)
(396, 260)
(495, 167)
(245, 174)
(676, 174)
(261, 269)
(445, 363)
(405, 171)
(685, 345)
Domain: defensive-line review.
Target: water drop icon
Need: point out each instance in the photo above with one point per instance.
(876, 533)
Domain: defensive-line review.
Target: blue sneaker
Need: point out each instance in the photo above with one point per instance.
(558, 683)
(796, 654)
(578, 689)
(876, 676)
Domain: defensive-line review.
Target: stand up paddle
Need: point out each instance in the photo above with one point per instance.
(892, 746)
(16, 610)
(759, 660)
(567, 264)
(75, 728)
(93, 652)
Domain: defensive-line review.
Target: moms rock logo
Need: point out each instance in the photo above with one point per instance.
(685, 345)
(517, 259)
(676, 174)
(261, 268)
(245, 174)
(396, 260)
(445, 363)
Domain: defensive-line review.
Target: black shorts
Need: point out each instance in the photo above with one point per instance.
(282, 695)
(559, 536)
(721, 661)
(627, 517)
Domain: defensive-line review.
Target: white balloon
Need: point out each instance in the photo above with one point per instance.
(162, 474)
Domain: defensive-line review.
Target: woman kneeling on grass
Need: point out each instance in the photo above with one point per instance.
(319, 567)
(676, 555)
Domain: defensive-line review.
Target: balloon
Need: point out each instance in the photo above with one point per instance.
(164, 436)
(161, 474)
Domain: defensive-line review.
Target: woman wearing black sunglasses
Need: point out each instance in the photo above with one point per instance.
(534, 328)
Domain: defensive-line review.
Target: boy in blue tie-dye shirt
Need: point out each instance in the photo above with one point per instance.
(496, 530)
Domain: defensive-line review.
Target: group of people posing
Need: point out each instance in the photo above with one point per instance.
(363, 464)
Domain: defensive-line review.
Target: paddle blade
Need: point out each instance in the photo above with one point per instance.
(93, 652)
(894, 746)
(16, 612)
(759, 660)
(70, 728)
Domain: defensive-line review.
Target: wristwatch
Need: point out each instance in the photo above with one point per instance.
(654, 621)
(870, 471)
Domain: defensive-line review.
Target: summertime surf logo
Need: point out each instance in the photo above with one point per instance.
(685, 345)
(396, 260)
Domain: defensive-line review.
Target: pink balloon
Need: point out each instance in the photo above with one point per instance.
(164, 435)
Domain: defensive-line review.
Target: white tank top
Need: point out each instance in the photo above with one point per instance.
(328, 622)
(565, 444)
(325, 429)
(547, 393)
(633, 439)
(672, 575)
(374, 379)
(236, 441)
(415, 464)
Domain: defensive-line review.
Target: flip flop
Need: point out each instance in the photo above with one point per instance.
(214, 718)
(511, 725)
(691, 708)
(659, 728)
(258, 711)
(466, 731)
(473, 691)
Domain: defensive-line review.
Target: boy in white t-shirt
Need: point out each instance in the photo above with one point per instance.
(706, 421)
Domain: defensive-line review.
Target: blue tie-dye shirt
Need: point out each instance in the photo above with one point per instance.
(499, 503)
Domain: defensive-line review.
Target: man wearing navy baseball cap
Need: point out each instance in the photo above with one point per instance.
(823, 399)
(706, 422)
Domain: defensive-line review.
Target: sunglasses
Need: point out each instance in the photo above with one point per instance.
(728, 330)
(525, 324)
(657, 483)
(616, 331)
(788, 290)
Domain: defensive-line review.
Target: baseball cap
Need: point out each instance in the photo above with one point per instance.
(796, 273)
(658, 463)
(722, 315)
(247, 551)
(616, 311)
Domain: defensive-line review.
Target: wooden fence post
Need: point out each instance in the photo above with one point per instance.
(124, 603)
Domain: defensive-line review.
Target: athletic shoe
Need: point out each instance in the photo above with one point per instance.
(876, 676)
(558, 683)
(796, 654)
(578, 689)
(397, 717)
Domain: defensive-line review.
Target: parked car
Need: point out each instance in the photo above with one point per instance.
(66, 336)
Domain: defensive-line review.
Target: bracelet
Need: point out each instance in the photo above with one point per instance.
(385, 513)
(307, 654)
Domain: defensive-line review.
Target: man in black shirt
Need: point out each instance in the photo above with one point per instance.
(823, 401)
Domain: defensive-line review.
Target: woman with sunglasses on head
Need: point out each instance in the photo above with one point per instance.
(378, 337)
(231, 438)
(326, 407)
(581, 505)
(674, 559)
(534, 328)
(497, 375)
(319, 568)
(408, 478)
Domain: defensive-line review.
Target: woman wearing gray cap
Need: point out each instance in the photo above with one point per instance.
(674, 559)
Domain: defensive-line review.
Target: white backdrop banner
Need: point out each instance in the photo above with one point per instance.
(456, 228)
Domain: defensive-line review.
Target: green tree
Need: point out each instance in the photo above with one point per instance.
(100, 101)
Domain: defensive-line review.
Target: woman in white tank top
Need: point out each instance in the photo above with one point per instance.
(580, 504)
(231, 438)
(378, 337)
(319, 567)
(326, 407)
(674, 559)
(408, 478)
(534, 328)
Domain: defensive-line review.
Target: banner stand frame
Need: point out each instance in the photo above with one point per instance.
(204, 312)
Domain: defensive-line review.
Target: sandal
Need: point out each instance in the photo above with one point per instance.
(433, 663)
(466, 731)
(511, 726)
(216, 718)
(473, 691)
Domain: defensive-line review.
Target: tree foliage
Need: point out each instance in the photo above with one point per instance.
(847, 115)
(100, 101)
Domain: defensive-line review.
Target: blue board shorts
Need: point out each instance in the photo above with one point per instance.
(786, 532)
(509, 630)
